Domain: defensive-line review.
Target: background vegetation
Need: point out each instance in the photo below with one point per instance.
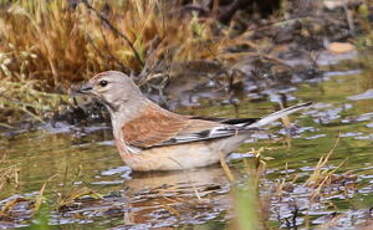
(46, 46)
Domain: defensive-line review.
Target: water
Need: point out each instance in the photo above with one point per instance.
(73, 161)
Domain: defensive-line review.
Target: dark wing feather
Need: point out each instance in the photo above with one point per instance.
(228, 121)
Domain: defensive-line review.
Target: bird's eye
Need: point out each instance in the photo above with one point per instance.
(103, 83)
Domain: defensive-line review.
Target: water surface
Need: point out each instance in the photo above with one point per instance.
(71, 158)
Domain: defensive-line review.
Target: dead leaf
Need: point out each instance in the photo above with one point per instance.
(340, 47)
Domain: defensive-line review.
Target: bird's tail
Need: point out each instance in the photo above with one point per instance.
(276, 115)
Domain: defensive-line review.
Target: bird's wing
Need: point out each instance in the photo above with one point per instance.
(157, 127)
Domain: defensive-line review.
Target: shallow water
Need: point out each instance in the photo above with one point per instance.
(69, 158)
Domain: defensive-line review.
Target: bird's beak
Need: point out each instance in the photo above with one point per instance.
(85, 88)
(80, 89)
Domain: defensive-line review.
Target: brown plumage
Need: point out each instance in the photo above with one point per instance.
(149, 137)
(153, 126)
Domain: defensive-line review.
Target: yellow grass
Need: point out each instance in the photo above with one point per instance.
(8, 175)
(54, 45)
(49, 40)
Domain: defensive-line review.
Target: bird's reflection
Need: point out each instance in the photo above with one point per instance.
(180, 197)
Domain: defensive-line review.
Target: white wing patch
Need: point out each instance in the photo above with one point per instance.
(132, 149)
(209, 134)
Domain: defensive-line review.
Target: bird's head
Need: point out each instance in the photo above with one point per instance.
(114, 89)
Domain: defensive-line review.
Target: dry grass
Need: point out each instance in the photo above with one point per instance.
(71, 192)
(46, 46)
(17, 98)
(8, 175)
(321, 175)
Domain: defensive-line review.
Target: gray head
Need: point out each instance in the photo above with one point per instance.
(114, 89)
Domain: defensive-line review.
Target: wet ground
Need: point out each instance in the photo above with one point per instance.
(88, 187)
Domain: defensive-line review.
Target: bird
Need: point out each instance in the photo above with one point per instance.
(151, 138)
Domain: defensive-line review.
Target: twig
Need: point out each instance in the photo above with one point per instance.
(115, 30)
(23, 107)
(226, 168)
(350, 20)
(6, 126)
(109, 54)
